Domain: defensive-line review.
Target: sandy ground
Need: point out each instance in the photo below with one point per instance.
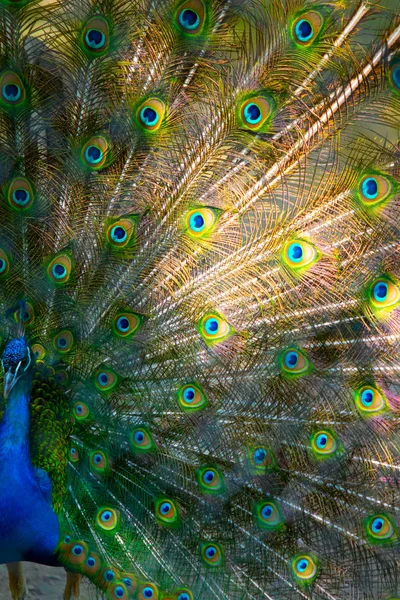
(44, 583)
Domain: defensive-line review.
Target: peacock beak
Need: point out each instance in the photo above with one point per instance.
(10, 379)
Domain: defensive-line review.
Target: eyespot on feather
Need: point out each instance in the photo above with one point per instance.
(105, 380)
(383, 295)
(20, 193)
(167, 513)
(190, 17)
(192, 398)
(126, 324)
(375, 189)
(294, 363)
(117, 591)
(141, 440)
(59, 269)
(255, 112)
(370, 401)
(381, 529)
(95, 37)
(268, 515)
(200, 222)
(94, 153)
(212, 554)
(108, 520)
(304, 568)
(12, 90)
(99, 463)
(74, 454)
(324, 444)
(150, 114)
(25, 314)
(130, 582)
(121, 233)
(80, 410)
(299, 255)
(210, 480)
(4, 263)
(63, 341)
(214, 329)
(92, 564)
(147, 591)
(307, 27)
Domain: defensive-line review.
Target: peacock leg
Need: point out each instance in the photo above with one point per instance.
(16, 581)
(72, 585)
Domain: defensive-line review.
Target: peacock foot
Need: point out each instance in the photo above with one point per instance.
(72, 586)
(16, 579)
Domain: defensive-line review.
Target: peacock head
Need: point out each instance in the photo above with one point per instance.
(17, 363)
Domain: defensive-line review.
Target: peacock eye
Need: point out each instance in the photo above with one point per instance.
(307, 27)
(141, 440)
(105, 380)
(189, 19)
(369, 400)
(147, 591)
(374, 189)
(294, 363)
(304, 568)
(151, 114)
(324, 444)
(190, 16)
(118, 234)
(200, 222)
(167, 512)
(299, 255)
(63, 341)
(214, 329)
(121, 233)
(184, 595)
(191, 398)
(394, 74)
(80, 411)
(92, 565)
(384, 295)
(268, 515)
(211, 554)
(130, 582)
(254, 112)
(20, 193)
(107, 519)
(95, 39)
(211, 481)
(380, 529)
(12, 89)
(74, 454)
(75, 553)
(4, 263)
(59, 269)
(77, 549)
(96, 36)
(94, 152)
(99, 462)
(117, 591)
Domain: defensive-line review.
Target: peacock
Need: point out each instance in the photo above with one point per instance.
(200, 297)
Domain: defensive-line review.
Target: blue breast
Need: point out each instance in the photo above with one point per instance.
(29, 528)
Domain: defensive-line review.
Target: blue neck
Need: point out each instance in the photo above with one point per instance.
(14, 428)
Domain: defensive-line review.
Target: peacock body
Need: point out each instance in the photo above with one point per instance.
(200, 297)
